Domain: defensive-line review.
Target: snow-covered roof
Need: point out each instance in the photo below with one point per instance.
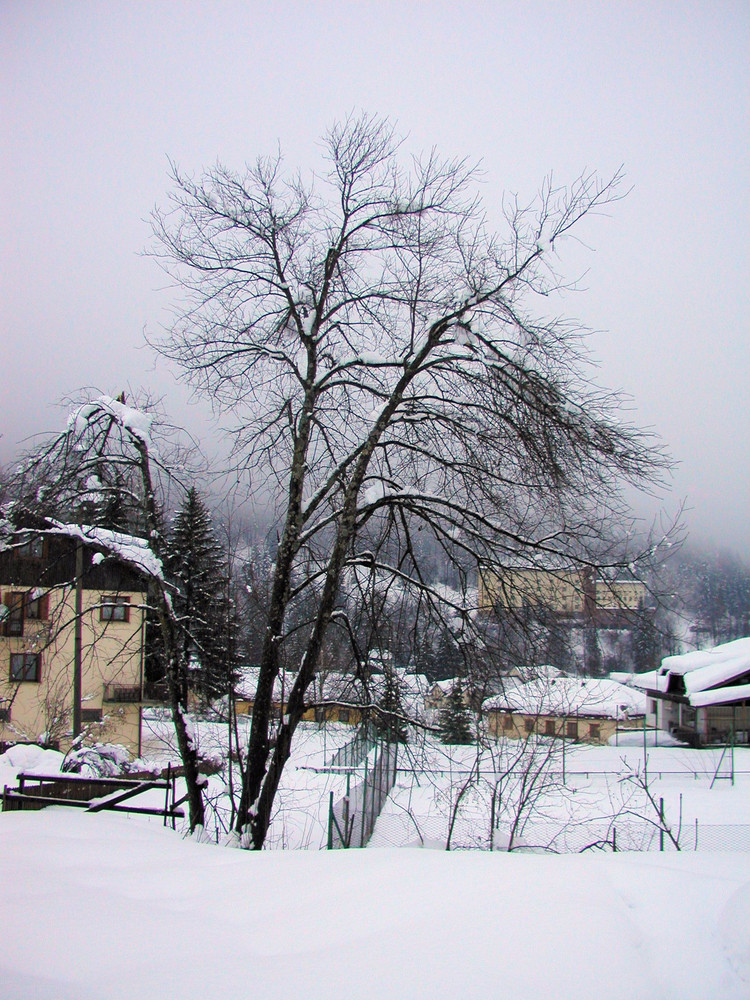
(247, 684)
(336, 687)
(564, 696)
(543, 671)
(720, 696)
(647, 681)
(345, 688)
(447, 685)
(704, 669)
(129, 548)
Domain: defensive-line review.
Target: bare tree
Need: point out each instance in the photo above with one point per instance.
(375, 345)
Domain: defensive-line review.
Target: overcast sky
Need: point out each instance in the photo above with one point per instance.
(97, 96)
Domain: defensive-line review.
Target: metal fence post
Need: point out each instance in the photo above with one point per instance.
(661, 824)
(166, 795)
(347, 834)
(364, 804)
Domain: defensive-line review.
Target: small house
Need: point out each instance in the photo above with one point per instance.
(583, 709)
(702, 697)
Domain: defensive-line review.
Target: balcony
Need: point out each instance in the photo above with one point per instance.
(127, 693)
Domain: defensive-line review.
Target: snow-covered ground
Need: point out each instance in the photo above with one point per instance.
(105, 906)
(116, 906)
(565, 802)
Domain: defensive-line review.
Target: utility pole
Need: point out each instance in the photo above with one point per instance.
(77, 647)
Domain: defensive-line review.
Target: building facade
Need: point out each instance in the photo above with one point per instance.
(61, 606)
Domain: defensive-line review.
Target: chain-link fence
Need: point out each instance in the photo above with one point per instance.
(472, 832)
(351, 820)
(635, 836)
(353, 753)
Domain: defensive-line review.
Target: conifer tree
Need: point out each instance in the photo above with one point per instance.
(389, 718)
(455, 722)
(197, 565)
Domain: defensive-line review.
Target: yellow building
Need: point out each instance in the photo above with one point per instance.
(332, 697)
(582, 709)
(41, 630)
(567, 592)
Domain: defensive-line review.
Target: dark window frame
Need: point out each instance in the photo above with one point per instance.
(15, 601)
(19, 673)
(36, 609)
(32, 548)
(114, 608)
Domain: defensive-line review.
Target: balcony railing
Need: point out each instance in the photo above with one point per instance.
(122, 693)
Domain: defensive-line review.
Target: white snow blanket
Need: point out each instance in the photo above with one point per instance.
(104, 906)
(566, 696)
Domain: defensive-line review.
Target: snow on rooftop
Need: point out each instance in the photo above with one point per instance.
(647, 681)
(565, 696)
(247, 684)
(704, 669)
(720, 696)
(325, 687)
(129, 548)
(684, 663)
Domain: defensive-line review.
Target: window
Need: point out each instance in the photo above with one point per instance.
(114, 608)
(91, 715)
(32, 548)
(25, 666)
(595, 731)
(528, 725)
(549, 727)
(507, 722)
(37, 608)
(4, 714)
(571, 730)
(343, 715)
(320, 715)
(13, 624)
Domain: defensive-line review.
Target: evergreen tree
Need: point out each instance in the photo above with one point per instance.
(455, 721)
(388, 719)
(592, 653)
(197, 565)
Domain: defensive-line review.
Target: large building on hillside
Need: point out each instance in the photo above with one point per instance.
(566, 615)
(568, 592)
(42, 630)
